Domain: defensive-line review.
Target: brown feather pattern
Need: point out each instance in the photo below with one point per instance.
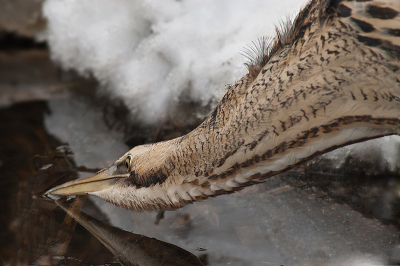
(328, 79)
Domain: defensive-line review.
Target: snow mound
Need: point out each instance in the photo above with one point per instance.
(149, 52)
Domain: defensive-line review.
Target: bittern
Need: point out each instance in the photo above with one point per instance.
(328, 79)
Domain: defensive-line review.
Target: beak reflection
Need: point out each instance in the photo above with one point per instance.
(130, 248)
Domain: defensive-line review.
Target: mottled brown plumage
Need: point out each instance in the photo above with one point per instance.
(329, 79)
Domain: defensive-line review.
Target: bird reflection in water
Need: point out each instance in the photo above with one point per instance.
(129, 248)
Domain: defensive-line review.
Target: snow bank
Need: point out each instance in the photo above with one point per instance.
(149, 52)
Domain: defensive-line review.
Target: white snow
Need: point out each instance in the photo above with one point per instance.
(149, 52)
(376, 156)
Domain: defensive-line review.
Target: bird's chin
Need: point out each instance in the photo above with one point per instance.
(100, 181)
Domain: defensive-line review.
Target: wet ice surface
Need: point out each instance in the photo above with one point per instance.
(317, 214)
(93, 146)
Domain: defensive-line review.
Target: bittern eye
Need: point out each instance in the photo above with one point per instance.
(128, 162)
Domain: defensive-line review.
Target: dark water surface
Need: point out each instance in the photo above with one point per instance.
(52, 131)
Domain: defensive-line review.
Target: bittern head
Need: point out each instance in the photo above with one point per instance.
(103, 179)
(139, 180)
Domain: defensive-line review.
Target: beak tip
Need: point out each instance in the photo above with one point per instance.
(83, 186)
(51, 194)
(59, 191)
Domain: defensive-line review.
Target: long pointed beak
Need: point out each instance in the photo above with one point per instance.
(101, 180)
